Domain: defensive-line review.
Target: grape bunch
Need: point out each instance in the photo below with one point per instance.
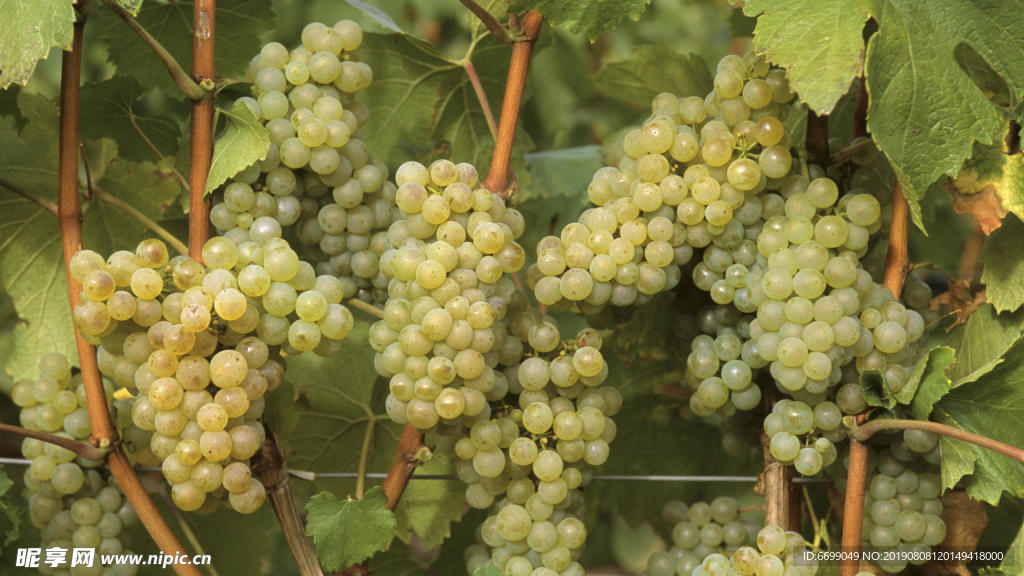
(198, 346)
(441, 336)
(530, 462)
(902, 507)
(698, 531)
(318, 175)
(73, 502)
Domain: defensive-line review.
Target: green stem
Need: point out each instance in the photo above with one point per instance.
(365, 307)
(188, 86)
(138, 130)
(865, 431)
(41, 202)
(87, 451)
(143, 219)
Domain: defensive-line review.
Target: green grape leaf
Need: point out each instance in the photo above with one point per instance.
(28, 30)
(10, 522)
(332, 410)
(557, 190)
(244, 141)
(875, 390)
(991, 406)
(928, 381)
(429, 507)
(652, 69)
(142, 185)
(376, 14)
(1003, 274)
(820, 44)
(423, 106)
(346, 532)
(981, 343)
(926, 113)
(239, 26)
(31, 258)
(107, 111)
(585, 17)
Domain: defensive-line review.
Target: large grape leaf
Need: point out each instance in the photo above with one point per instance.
(238, 27)
(423, 105)
(992, 406)
(651, 69)
(981, 343)
(926, 113)
(819, 43)
(349, 531)
(928, 381)
(1003, 274)
(429, 507)
(107, 110)
(244, 141)
(28, 30)
(336, 403)
(31, 260)
(142, 185)
(586, 17)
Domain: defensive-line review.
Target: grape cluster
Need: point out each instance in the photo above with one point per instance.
(318, 175)
(198, 346)
(442, 335)
(902, 507)
(531, 461)
(698, 531)
(72, 502)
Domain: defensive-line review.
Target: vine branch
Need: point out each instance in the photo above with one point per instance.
(897, 259)
(488, 20)
(271, 468)
(83, 449)
(775, 487)
(478, 89)
(853, 503)
(70, 216)
(407, 458)
(188, 87)
(865, 431)
(522, 49)
(41, 202)
(201, 137)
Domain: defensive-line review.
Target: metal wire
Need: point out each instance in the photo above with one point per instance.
(310, 476)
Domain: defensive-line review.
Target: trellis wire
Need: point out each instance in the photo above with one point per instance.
(310, 476)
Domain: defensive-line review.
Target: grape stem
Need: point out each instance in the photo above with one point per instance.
(897, 259)
(522, 49)
(407, 458)
(83, 449)
(41, 202)
(142, 218)
(478, 89)
(271, 468)
(774, 485)
(488, 20)
(201, 139)
(69, 211)
(865, 431)
(188, 86)
(364, 457)
(365, 307)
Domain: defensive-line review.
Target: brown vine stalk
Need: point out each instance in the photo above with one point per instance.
(522, 50)
(896, 263)
(866, 431)
(201, 139)
(83, 449)
(776, 488)
(70, 216)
